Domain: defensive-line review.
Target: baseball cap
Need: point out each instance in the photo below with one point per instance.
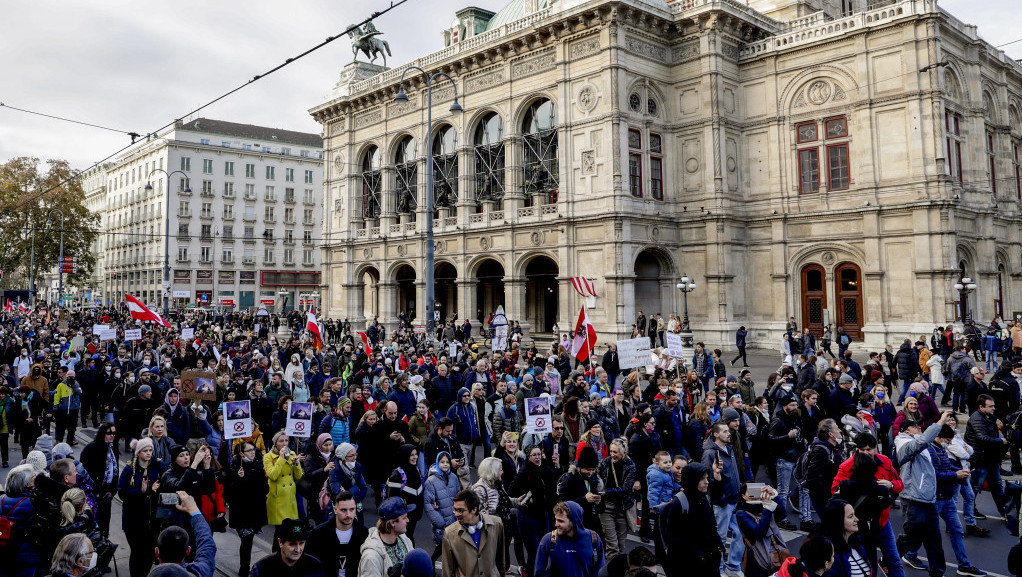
(909, 423)
(393, 508)
(976, 370)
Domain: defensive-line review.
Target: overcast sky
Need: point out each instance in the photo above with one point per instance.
(135, 66)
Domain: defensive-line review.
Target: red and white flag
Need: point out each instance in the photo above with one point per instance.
(583, 286)
(585, 337)
(313, 328)
(22, 307)
(140, 312)
(9, 307)
(365, 342)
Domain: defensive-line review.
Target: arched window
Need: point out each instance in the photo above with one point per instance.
(489, 158)
(445, 168)
(539, 152)
(407, 177)
(372, 179)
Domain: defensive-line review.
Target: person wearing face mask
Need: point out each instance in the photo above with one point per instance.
(440, 488)
(22, 365)
(37, 382)
(247, 482)
(137, 486)
(822, 463)
(348, 475)
(75, 557)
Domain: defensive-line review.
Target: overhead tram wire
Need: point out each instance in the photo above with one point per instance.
(21, 204)
(133, 135)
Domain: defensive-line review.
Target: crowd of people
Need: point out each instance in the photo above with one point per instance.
(699, 463)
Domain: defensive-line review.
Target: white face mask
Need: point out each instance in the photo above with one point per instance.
(350, 466)
(93, 559)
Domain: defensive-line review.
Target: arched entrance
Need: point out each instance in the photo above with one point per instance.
(405, 279)
(446, 291)
(649, 274)
(848, 290)
(489, 289)
(369, 304)
(814, 298)
(541, 294)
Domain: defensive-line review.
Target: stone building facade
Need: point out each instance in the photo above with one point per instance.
(821, 159)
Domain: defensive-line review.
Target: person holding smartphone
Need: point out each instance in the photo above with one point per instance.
(719, 455)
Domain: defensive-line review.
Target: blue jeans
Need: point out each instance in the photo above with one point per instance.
(968, 503)
(921, 526)
(991, 473)
(888, 544)
(727, 521)
(784, 480)
(532, 530)
(949, 513)
(991, 358)
(934, 388)
(904, 393)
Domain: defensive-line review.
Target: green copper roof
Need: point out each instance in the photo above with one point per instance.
(514, 10)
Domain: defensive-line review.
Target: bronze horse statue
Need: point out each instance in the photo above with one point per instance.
(366, 41)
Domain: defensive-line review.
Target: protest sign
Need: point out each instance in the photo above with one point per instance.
(198, 385)
(187, 333)
(237, 419)
(299, 420)
(133, 335)
(633, 352)
(674, 345)
(538, 416)
(499, 338)
(108, 335)
(97, 329)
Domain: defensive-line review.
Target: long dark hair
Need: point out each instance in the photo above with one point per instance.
(832, 526)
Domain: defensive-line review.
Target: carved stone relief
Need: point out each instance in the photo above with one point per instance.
(583, 48)
(533, 65)
(646, 48)
(485, 80)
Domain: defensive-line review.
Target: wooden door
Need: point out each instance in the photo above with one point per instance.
(848, 290)
(814, 298)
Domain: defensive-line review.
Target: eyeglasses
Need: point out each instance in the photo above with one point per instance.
(558, 428)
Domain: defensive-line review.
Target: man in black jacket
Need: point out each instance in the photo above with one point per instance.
(292, 558)
(822, 463)
(982, 434)
(610, 363)
(785, 434)
(337, 543)
(442, 440)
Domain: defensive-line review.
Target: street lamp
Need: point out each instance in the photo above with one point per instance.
(964, 286)
(430, 256)
(166, 234)
(60, 259)
(686, 286)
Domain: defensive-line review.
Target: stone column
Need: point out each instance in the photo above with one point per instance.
(466, 289)
(386, 297)
(388, 200)
(517, 305)
(513, 197)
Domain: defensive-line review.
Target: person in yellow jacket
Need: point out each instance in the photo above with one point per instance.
(283, 467)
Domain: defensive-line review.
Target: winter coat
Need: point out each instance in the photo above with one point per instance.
(178, 422)
(24, 549)
(690, 532)
(245, 493)
(981, 432)
(821, 468)
(917, 471)
(461, 557)
(541, 481)
(577, 556)
(314, 473)
(352, 480)
(421, 428)
(375, 561)
(907, 361)
(661, 486)
(466, 420)
(138, 510)
(281, 499)
(67, 398)
(572, 486)
(342, 434)
(731, 480)
(757, 523)
(621, 492)
(438, 497)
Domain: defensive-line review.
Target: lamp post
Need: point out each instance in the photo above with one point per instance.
(964, 286)
(166, 234)
(687, 338)
(430, 255)
(60, 259)
(31, 269)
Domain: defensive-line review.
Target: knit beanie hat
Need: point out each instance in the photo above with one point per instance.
(37, 459)
(342, 450)
(587, 459)
(62, 451)
(729, 414)
(141, 444)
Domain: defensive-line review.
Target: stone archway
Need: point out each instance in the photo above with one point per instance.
(369, 284)
(404, 276)
(541, 294)
(650, 274)
(446, 291)
(489, 289)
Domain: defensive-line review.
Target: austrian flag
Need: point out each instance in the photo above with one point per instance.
(585, 337)
(140, 312)
(583, 286)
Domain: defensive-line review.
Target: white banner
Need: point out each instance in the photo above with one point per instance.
(181, 294)
(97, 329)
(133, 335)
(299, 420)
(108, 335)
(538, 415)
(187, 333)
(452, 352)
(499, 338)
(237, 419)
(633, 352)
(674, 345)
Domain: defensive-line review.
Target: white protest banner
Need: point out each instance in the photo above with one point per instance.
(299, 420)
(187, 333)
(452, 351)
(108, 335)
(97, 329)
(538, 416)
(133, 335)
(77, 343)
(237, 419)
(674, 345)
(633, 352)
(499, 338)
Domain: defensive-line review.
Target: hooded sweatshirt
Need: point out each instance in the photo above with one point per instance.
(438, 495)
(178, 425)
(579, 555)
(466, 428)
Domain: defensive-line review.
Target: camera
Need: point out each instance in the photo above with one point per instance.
(169, 500)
